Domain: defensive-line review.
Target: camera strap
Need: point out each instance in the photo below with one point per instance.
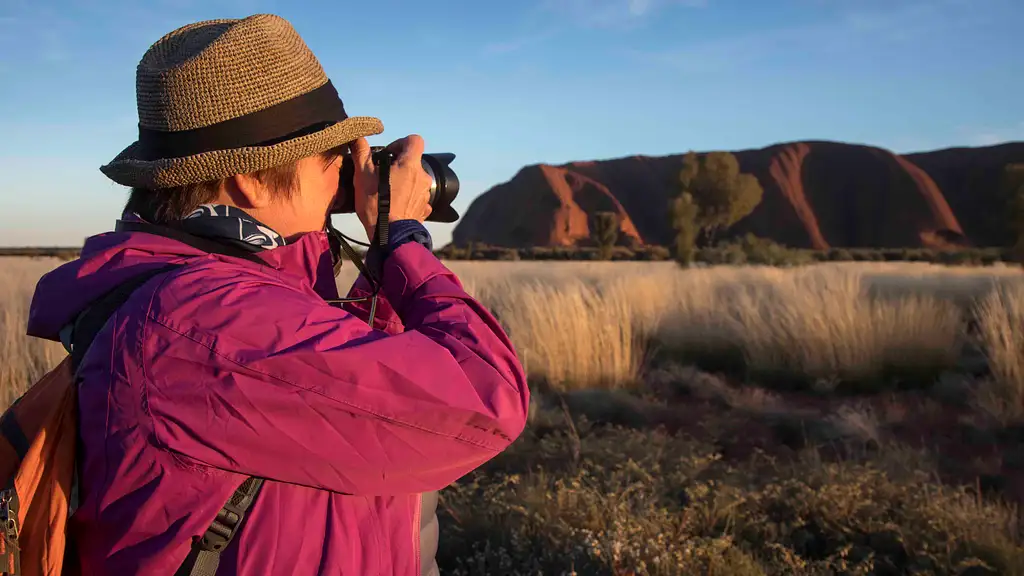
(383, 203)
(373, 267)
(383, 219)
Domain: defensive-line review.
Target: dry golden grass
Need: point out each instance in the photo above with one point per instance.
(23, 360)
(817, 322)
(1001, 321)
(854, 321)
(584, 324)
(596, 341)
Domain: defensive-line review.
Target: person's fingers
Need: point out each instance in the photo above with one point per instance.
(360, 149)
(407, 149)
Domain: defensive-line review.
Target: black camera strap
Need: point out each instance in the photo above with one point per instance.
(383, 202)
(383, 219)
(379, 243)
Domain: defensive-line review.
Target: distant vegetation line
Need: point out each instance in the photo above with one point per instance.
(745, 250)
(65, 253)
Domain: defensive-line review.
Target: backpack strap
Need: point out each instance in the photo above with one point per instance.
(204, 557)
(91, 321)
(77, 337)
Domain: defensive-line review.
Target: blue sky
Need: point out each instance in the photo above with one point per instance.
(506, 84)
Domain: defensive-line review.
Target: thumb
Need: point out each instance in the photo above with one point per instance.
(360, 149)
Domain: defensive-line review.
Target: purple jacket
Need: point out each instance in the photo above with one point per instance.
(223, 369)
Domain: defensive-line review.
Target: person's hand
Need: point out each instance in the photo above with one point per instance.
(410, 183)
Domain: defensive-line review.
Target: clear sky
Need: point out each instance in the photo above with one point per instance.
(511, 83)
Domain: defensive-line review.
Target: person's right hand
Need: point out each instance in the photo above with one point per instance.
(410, 183)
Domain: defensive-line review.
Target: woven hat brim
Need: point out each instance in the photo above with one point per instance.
(128, 169)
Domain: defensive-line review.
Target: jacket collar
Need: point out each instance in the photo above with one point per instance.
(228, 224)
(301, 258)
(111, 258)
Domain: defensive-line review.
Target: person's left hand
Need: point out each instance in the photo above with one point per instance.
(410, 183)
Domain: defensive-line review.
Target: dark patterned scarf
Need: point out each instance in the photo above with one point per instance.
(228, 224)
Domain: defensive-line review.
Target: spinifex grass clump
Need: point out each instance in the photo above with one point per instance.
(569, 333)
(1001, 327)
(808, 324)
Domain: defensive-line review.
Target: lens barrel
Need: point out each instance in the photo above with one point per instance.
(444, 185)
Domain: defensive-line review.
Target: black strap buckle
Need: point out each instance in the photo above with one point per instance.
(222, 529)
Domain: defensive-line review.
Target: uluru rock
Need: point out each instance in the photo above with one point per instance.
(816, 195)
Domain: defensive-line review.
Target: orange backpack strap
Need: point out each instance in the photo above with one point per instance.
(35, 433)
(10, 555)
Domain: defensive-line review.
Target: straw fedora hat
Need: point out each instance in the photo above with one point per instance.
(231, 96)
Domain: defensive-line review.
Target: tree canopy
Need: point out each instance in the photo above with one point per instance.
(684, 221)
(606, 232)
(723, 194)
(1012, 189)
(713, 196)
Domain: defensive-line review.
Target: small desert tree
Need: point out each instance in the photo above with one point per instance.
(1012, 188)
(684, 222)
(723, 194)
(605, 233)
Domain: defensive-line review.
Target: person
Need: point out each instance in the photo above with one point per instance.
(234, 364)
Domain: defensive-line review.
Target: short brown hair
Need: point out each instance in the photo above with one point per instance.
(170, 204)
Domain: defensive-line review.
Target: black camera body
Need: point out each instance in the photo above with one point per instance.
(444, 185)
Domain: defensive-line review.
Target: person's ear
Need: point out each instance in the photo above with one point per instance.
(248, 192)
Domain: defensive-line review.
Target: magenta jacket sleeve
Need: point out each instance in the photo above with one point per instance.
(293, 390)
(385, 318)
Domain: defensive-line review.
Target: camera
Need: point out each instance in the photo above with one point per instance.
(444, 184)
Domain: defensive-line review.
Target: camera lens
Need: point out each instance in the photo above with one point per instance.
(444, 186)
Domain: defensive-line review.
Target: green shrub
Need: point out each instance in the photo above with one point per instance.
(652, 253)
(839, 255)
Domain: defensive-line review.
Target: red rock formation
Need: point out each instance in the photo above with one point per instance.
(816, 195)
(969, 179)
(786, 169)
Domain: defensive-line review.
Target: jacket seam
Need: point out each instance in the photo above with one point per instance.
(374, 413)
(177, 460)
